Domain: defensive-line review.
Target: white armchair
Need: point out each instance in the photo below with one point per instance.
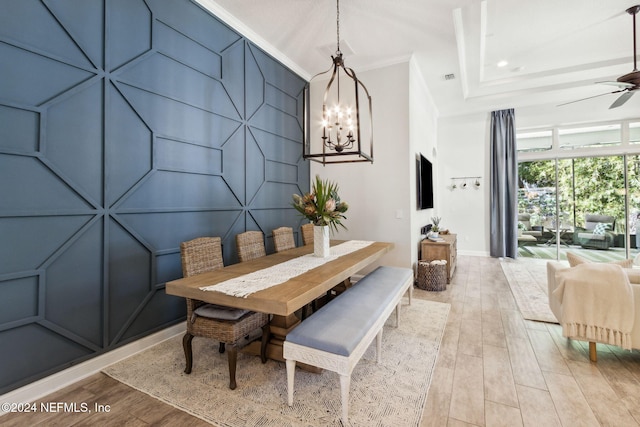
(556, 303)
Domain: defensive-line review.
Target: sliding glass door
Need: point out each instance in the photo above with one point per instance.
(579, 204)
(579, 190)
(536, 208)
(633, 198)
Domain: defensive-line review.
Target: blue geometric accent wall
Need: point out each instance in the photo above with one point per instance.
(127, 127)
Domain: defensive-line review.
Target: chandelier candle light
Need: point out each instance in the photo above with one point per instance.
(343, 127)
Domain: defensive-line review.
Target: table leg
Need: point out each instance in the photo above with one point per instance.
(280, 326)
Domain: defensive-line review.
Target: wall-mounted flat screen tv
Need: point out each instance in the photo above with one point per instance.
(424, 173)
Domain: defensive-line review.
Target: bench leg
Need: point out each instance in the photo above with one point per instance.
(291, 372)
(410, 293)
(398, 314)
(345, 384)
(379, 347)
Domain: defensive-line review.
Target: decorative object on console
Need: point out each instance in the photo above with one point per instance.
(436, 226)
(323, 207)
(343, 127)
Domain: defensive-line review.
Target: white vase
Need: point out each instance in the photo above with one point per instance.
(321, 241)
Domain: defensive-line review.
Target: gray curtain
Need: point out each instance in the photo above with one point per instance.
(504, 185)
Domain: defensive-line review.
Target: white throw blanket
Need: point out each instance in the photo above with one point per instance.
(597, 303)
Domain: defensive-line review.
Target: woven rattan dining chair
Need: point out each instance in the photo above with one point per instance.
(307, 234)
(283, 239)
(224, 324)
(250, 245)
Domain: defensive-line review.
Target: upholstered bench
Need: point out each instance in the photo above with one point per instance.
(337, 335)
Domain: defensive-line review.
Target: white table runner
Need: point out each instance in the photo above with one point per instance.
(247, 284)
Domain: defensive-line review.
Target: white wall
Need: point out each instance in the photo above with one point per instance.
(463, 150)
(423, 139)
(379, 194)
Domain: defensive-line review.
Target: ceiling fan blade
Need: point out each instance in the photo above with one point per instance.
(621, 85)
(584, 99)
(622, 99)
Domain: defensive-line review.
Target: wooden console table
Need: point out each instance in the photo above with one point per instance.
(447, 250)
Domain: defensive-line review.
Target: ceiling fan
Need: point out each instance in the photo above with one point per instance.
(628, 83)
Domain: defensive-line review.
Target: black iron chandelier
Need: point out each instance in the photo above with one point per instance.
(338, 138)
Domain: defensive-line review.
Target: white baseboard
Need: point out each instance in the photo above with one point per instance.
(48, 385)
(475, 253)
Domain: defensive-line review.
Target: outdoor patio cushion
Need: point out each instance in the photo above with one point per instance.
(600, 228)
(592, 220)
(214, 311)
(592, 236)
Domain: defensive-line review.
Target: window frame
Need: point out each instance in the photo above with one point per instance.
(556, 152)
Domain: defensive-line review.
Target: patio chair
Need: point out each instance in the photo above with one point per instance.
(597, 233)
(224, 324)
(529, 230)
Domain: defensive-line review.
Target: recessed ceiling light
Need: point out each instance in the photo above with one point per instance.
(502, 63)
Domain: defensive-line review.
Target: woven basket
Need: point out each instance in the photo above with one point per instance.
(432, 275)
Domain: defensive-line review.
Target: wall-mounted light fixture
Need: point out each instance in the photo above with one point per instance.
(344, 126)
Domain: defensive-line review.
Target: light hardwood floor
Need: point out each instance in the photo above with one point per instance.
(494, 369)
(497, 369)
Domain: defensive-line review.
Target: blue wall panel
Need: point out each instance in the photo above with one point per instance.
(127, 127)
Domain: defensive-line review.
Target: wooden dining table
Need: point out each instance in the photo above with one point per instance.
(281, 300)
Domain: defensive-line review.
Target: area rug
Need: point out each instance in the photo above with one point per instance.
(528, 282)
(392, 393)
